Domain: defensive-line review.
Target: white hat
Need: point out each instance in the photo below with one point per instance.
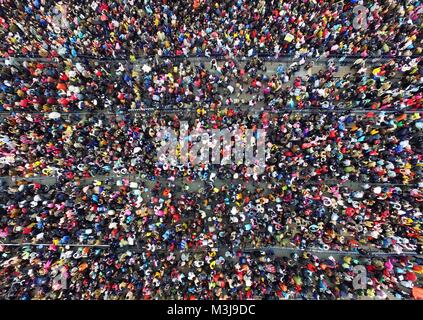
(377, 190)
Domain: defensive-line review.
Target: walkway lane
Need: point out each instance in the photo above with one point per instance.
(198, 187)
(344, 67)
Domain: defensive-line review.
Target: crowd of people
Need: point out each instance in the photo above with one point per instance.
(92, 274)
(86, 89)
(169, 216)
(369, 147)
(139, 202)
(67, 85)
(128, 28)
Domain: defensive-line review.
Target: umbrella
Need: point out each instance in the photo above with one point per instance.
(146, 68)
(54, 115)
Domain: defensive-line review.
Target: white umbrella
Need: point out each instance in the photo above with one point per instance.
(54, 115)
(146, 68)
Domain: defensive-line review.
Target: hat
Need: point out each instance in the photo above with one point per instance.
(377, 190)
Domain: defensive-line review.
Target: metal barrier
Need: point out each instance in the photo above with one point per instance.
(169, 109)
(262, 56)
(276, 250)
(317, 251)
